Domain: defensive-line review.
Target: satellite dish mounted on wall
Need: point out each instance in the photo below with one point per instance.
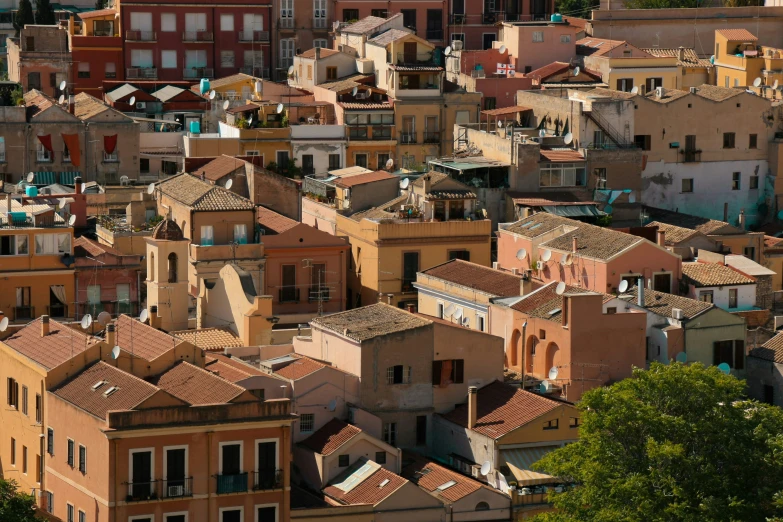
(458, 314)
(623, 286)
(86, 321)
(62, 203)
(486, 467)
(553, 373)
(84, 188)
(546, 255)
(447, 50)
(229, 183)
(144, 315)
(104, 318)
(279, 108)
(212, 94)
(151, 188)
(545, 386)
(449, 310)
(521, 254)
(775, 85)
(332, 405)
(502, 49)
(61, 100)
(560, 288)
(568, 138)
(354, 91)
(4, 324)
(30, 177)
(290, 70)
(757, 82)
(72, 221)
(115, 353)
(63, 85)
(389, 163)
(226, 105)
(132, 101)
(404, 183)
(577, 70)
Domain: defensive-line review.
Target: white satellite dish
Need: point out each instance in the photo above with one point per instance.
(86, 321)
(226, 104)
(565, 260)
(144, 315)
(553, 373)
(229, 183)
(132, 101)
(61, 100)
(84, 187)
(577, 70)
(623, 286)
(485, 468)
(541, 133)
(291, 70)
(458, 314)
(546, 255)
(635, 90)
(369, 92)
(151, 188)
(63, 85)
(447, 50)
(449, 310)
(545, 386)
(404, 183)
(62, 203)
(502, 49)
(104, 318)
(521, 254)
(757, 82)
(389, 163)
(212, 94)
(115, 352)
(30, 177)
(466, 321)
(250, 121)
(568, 138)
(354, 91)
(560, 288)
(4, 324)
(72, 221)
(775, 85)
(279, 108)
(332, 405)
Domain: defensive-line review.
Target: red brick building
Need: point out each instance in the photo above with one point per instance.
(96, 51)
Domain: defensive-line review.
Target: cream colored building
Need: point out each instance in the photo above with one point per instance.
(623, 66)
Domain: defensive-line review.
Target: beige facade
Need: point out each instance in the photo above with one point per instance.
(37, 55)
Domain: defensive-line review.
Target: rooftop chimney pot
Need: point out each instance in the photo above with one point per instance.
(44, 325)
(472, 406)
(661, 235)
(574, 244)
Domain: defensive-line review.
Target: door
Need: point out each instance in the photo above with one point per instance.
(732, 298)
(421, 430)
(175, 472)
(267, 514)
(690, 147)
(231, 463)
(234, 515)
(282, 161)
(409, 52)
(266, 464)
(141, 478)
(662, 283)
(307, 164)
(488, 39)
(123, 298)
(195, 22)
(252, 23)
(288, 288)
(195, 59)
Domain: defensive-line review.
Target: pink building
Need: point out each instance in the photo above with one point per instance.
(554, 248)
(476, 71)
(532, 45)
(473, 22)
(426, 18)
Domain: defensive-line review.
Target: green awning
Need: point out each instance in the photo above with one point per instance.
(44, 178)
(67, 178)
(573, 210)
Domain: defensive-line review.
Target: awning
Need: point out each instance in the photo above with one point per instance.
(68, 178)
(520, 462)
(44, 178)
(506, 110)
(574, 210)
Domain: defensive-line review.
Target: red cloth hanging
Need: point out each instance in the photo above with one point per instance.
(110, 143)
(46, 141)
(72, 142)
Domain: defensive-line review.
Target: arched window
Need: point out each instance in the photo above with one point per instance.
(172, 268)
(482, 506)
(152, 266)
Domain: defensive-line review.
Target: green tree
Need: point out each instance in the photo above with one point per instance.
(44, 13)
(100, 4)
(24, 15)
(16, 506)
(577, 8)
(675, 443)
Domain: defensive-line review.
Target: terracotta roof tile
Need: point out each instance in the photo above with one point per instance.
(484, 279)
(506, 110)
(661, 303)
(503, 408)
(197, 386)
(226, 80)
(550, 199)
(80, 391)
(432, 476)
(200, 195)
(219, 167)
(210, 339)
(434, 178)
(366, 106)
(385, 211)
(86, 107)
(51, 350)
(737, 35)
(704, 225)
(690, 58)
(674, 234)
(302, 367)
(142, 339)
(545, 303)
(771, 242)
(229, 368)
(367, 24)
(94, 248)
(714, 274)
(362, 179)
(392, 35)
(414, 67)
(346, 83)
(772, 350)
(718, 94)
(367, 322)
(325, 53)
(97, 13)
(667, 95)
(561, 155)
(541, 223)
(331, 437)
(597, 46)
(373, 489)
(37, 102)
(273, 221)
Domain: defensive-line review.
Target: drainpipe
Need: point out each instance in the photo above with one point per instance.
(524, 351)
(640, 291)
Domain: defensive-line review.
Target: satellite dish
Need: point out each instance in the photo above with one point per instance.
(62, 203)
(132, 101)
(291, 70)
(250, 121)
(521, 254)
(553, 373)
(486, 467)
(545, 386)
(458, 314)
(447, 50)
(72, 220)
(502, 49)
(568, 138)
(104, 318)
(635, 90)
(565, 260)
(4, 324)
(560, 288)
(389, 163)
(212, 94)
(775, 85)
(151, 188)
(404, 183)
(466, 321)
(229, 183)
(577, 70)
(30, 177)
(115, 353)
(623, 286)
(226, 105)
(332, 405)
(61, 100)
(63, 85)
(354, 91)
(144, 315)
(449, 310)
(682, 357)
(546, 255)
(369, 92)
(279, 108)
(757, 82)
(541, 133)
(725, 368)
(86, 321)
(84, 187)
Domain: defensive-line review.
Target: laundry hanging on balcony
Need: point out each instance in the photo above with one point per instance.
(46, 141)
(72, 143)
(110, 143)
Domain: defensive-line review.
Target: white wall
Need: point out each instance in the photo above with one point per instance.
(746, 295)
(320, 150)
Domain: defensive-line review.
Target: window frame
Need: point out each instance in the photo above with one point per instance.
(729, 140)
(241, 444)
(683, 188)
(311, 422)
(552, 424)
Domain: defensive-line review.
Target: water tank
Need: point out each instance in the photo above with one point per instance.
(31, 191)
(18, 217)
(195, 127)
(557, 17)
(204, 85)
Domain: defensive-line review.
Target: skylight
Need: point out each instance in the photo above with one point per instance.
(535, 226)
(110, 391)
(385, 481)
(447, 485)
(98, 385)
(555, 311)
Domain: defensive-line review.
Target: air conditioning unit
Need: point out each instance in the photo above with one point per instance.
(456, 45)
(659, 92)
(677, 314)
(176, 491)
(141, 105)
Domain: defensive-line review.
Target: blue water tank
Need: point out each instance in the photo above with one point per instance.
(31, 191)
(204, 85)
(18, 217)
(195, 127)
(557, 17)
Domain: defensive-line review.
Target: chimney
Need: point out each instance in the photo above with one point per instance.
(640, 290)
(573, 244)
(742, 219)
(564, 310)
(661, 235)
(411, 307)
(8, 201)
(317, 53)
(426, 183)
(154, 316)
(472, 406)
(203, 176)
(44, 325)
(111, 336)
(681, 54)
(78, 182)
(71, 104)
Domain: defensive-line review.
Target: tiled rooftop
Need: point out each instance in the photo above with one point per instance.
(94, 248)
(674, 234)
(37, 102)
(331, 437)
(434, 179)
(381, 211)
(301, 367)
(367, 24)
(503, 408)
(737, 35)
(197, 386)
(51, 350)
(718, 94)
(690, 58)
(592, 241)
(362, 179)
(561, 155)
(704, 225)
(200, 195)
(142, 340)
(484, 279)
(661, 303)
(371, 484)
(219, 167)
(368, 322)
(346, 83)
(210, 339)
(541, 223)
(324, 53)
(430, 476)
(545, 303)
(229, 368)
(598, 46)
(772, 350)
(86, 107)
(387, 37)
(714, 274)
(271, 220)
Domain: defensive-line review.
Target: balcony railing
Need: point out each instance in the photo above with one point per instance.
(382, 132)
(23, 312)
(198, 72)
(103, 32)
(258, 72)
(691, 156)
(432, 137)
(267, 479)
(141, 491)
(231, 483)
(57, 310)
(288, 294)
(198, 36)
(141, 36)
(177, 488)
(286, 23)
(408, 137)
(427, 58)
(141, 73)
(358, 133)
(253, 36)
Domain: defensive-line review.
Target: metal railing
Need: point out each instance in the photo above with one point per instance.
(258, 72)
(198, 72)
(267, 479)
(103, 32)
(24, 312)
(141, 491)
(432, 137)
(177, 488)
(358, 133)
(141, 73)
(58, 310)
(286, 23)
(609, 130)
(231, 483)
(141, 36)
(288, 294)
(403, 58)
(253, 36)
(197, 36)
(408, 137)
(691, 156)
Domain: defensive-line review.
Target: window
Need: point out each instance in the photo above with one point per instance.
(350, 15)
(207, 235)
(172, 262)
(306, 422)
(13, 451)
(382, 160)
(24, 460)
(753, 141)
(409, 18)
(398, 374)
(82, 459)
(562, 175)
(195, 22)
(240, 234)
(735, 180)
(574, 422)
(168, 59)
(551, 424)
(611, 310)
(227, 59)
(380, 13)
(69, 511)
(334, 161)
(50, 441)
(642, 141)
(410, 265)
(625, 84)
(141, 58)
(732, 298)
(13, 245)
(390, 433)
(769, 394)
(565, 38)
(361, 160)
(49, 501)
(226, 22)
(34, 81)
(489, 103)
(70, 453)
(464, 255)
(481, 323)
(282, 160)
(749, 252)
(110, 70)
(538, 36)
(13, 393)
(288, 290)
(448, 372)
(320, 43)
(84, 70)
(331, 73)
(309, 72)
(380, 457)
(287, 47)
(43, 155)
(662, 282)
(342, 461)
(652, 83)
(753, 183)
(141, 22)
(2, 149)
(726, 81)
(728, 140)
(729, 352)
(687, 185)
(38, 409)
(24, 399)
(168, 22)
(195, 58)
(706, 296)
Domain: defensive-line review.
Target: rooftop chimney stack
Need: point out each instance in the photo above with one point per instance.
(154, 316)
(317, 53)
(72, 104)
(681, 54)
(472, 406)
(111, 336)
(573, 244)
(77, 181)
(640, 291)
(742, 219)
(44, 325)
(661, 235)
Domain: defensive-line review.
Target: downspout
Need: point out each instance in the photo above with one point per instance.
(113, 512)
(210, 436)
(76, 296)
(138, 287)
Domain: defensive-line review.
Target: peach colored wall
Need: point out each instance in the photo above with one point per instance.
(322, 386)
(526, 53)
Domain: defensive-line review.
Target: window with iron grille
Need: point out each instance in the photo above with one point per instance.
(398, 374)
(306, 422)
(24, 400)
(50, 441)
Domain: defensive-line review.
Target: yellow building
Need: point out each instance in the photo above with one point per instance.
(739, 60)
(623, 66)
(694, 71)
(36, 276)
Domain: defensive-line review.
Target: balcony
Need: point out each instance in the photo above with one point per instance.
(198, 36)
(141, 36)
(141, 73)
(434, 34)
(57, 310)
(412, 59)
(141, 491)
(231, 483)
(408, 138)
(267, 479)
(178, 488)
(253, 36)
(691, 155)
(371, 132)
(432, 137)
(24, 313)
(258, 72)
(288, 294)
(203, 253)
(198, 72)
(286, 23)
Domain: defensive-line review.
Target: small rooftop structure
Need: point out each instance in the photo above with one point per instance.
(713, 274)
(368, 322)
